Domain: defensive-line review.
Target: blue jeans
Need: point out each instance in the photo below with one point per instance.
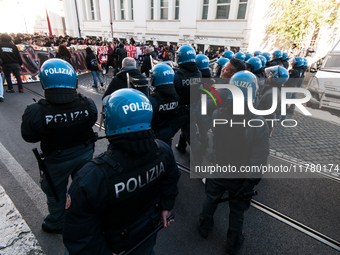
(94, 74)
(1, 87)
(60, 174)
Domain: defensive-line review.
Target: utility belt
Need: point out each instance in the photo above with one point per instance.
(73, 148)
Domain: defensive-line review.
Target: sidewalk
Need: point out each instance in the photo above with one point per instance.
(16, 237)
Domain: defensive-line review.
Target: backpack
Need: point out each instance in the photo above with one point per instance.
(94, 62)
(168, 55)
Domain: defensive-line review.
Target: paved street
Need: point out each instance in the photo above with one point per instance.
(311, 201)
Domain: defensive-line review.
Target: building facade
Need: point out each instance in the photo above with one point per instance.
(227, 23)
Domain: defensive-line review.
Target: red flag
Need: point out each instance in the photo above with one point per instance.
(49, 23)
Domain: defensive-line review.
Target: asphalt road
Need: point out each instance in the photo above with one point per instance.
(312, 201)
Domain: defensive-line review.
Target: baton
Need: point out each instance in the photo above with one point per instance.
(160, 226)
(245, 195)
(43, 169)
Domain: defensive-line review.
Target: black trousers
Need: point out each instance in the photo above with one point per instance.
(214, 190)
(15, 69)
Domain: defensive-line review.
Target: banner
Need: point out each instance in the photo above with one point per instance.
(34, 56)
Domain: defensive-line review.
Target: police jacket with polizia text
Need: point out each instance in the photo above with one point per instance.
(187, 78)
(60, 127)
(164, 102)
(108, 204)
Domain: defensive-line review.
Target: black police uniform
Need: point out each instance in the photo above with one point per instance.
(285, 63)
(67, 141)
(115, 200)
(266, 101)
(164, 102)
(276, 62)
(294, 81)
(237, 146)
(186, 82)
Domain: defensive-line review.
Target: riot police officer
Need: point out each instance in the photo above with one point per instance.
(248, 56)
(202, 63)
(295, 80)
(240, 56)
(228, 54)
(277, 58)
(277, 76)
(285, 58)
(238, 146)
(257, 53)
(187, 78)
(218, 66)
(268, 58)
(62, 122)
(116, 200)
(254, 65)
(164, 100)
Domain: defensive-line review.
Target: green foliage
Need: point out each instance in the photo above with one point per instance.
(292, 20)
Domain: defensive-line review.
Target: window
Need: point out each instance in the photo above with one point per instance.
(205, 9)
(177, 9)
(164, 9)
(122, 11)
(132, 9)
(223, 8)
(91, 9)
(112, 2)
(151, 10)
(242, 8)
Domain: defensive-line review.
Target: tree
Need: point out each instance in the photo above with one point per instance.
(293, 20)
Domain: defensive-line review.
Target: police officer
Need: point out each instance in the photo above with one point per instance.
(277, 58)
(240, 56)
(268, 58)
(295, 80)
(285, 58)
(202, 63)
(63, 123)
(116, 200)
(248, 56)
(277, 76)
(187, 78)
(164, 100)
(218, 66)
(238, 146)
(254, 65)
(257, 53)
(228, 54)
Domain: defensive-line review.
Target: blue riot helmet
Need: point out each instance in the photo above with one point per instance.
(162, 74)
(257, 53)
(243, 80)
(263, 60)
(217, 68)
(57, 73)
(202, 62)
(278, 74)
(228, 54)
(285, 56)
(267, 56)
(298, 62)
(254, 64)
(127, 110)
(240, 56)
(277, 54)
(186, 54)
(248, 56)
